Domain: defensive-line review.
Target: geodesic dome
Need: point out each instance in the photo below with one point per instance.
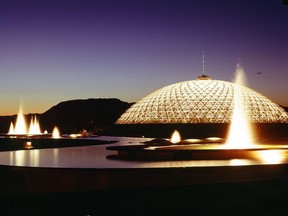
(201, 101)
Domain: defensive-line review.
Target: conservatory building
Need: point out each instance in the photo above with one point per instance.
(202, 100)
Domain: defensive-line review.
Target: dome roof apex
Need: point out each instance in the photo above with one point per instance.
(204, 77)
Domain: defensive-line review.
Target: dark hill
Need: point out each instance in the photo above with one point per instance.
(285, 108)
(91, 114)
(74, 115)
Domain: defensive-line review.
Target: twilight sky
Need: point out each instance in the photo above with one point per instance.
(52, 50)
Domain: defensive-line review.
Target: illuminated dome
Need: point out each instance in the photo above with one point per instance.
(201, 101)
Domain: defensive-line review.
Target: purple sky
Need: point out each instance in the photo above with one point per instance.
(52, 50)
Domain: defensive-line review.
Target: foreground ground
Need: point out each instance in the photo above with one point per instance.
(242, 198)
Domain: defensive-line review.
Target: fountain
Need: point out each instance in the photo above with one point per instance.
(239, 121)
(56, 133)
(176, 137)
(21, 128)
(239, 144)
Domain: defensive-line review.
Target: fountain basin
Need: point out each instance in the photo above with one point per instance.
(197, 152)
(42, 142)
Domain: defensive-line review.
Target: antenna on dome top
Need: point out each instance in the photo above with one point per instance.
(203, 62)
(203, 76)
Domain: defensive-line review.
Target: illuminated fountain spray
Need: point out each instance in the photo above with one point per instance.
(34, 126)
(11, 129)
(21, 126)
(240, 134)
(56, 133)
(175, 138)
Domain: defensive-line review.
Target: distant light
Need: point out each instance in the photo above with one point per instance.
(28, 145)
(74, 135)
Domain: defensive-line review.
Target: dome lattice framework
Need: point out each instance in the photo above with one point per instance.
(201, 101)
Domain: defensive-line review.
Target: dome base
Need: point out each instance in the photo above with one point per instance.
(264, 130)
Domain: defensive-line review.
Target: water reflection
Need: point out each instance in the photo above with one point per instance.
(272, 156)
(240, 162)
(34, 155)
(17, 158)
(55, 156)
(24, 158)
